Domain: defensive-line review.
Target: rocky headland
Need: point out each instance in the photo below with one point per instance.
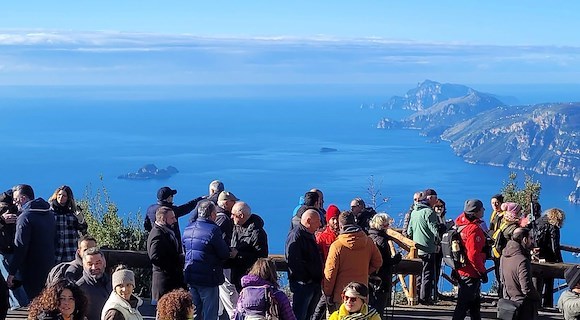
(483, 129)
(150, 171)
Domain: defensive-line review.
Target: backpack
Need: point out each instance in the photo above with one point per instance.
(452, 248)
(499, 238)
(257, 302)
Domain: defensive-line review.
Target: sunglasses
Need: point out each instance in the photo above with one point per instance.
(349, 299)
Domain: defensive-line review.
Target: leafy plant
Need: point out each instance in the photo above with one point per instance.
(524, 195)
(113, 232)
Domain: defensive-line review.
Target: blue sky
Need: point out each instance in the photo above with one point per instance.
(482, 22)
(293, 42)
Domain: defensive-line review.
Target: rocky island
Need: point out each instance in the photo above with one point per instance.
(483, 129)
(148, 172)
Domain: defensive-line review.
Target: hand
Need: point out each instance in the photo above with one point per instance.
(484, 278)
(9, 218)
(10, 281)
(329, 302)
(233, 252)
(80, 216)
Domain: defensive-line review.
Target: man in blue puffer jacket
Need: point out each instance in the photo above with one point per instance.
(205, 253)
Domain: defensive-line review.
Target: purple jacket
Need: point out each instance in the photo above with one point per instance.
(283, 303)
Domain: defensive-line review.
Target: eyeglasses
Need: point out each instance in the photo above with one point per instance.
(349, 299)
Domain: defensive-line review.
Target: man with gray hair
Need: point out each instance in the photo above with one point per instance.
(34, 250)
(215, 188)
(95, 282)
(205, 253)
(250, 240)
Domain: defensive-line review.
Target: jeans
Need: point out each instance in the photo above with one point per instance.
(468, 299)
(206, 302)
(17, 296)
(305, 298)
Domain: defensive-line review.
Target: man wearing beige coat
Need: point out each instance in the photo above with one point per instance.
(352, 257)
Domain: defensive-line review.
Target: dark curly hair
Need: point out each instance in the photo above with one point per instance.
(48, 300)
(175, 305)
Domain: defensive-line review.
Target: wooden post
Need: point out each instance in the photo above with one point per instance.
(412, 280)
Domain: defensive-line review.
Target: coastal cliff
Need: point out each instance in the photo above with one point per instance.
(543, 138)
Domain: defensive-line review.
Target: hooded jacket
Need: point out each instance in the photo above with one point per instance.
(284, 309)
(515, 269)
(34, 245)
(251, 241)
(474, 241)
(324, 240)
(352, 257)
(423, 228)
(569, 305)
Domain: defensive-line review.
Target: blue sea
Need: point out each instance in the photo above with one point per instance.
(264, 147)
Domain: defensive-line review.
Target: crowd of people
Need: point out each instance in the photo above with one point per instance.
(340, 263)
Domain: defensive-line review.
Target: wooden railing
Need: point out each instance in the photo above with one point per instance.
(408, 268)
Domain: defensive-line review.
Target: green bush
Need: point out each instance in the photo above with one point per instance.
(512, 192)
(113, 232)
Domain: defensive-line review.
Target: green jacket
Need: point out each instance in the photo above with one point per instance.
(423, 228)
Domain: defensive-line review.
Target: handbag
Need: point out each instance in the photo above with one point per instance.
(507, 309)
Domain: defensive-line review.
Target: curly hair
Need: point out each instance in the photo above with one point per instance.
(175, 305)
(48, 300)
(555, 217)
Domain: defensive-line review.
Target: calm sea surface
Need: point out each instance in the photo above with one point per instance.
(265, 150)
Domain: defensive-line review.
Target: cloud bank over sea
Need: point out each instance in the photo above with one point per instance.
(114, 58)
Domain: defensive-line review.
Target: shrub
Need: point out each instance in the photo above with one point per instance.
(114, 232)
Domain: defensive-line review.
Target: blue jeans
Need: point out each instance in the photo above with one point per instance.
(305, 298)
(17, 297)
(206, 302)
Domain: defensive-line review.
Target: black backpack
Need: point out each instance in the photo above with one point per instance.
(452, 248)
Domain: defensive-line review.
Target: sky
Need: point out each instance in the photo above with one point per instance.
(294, 42)
(482, 22)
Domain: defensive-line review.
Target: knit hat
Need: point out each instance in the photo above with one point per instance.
(472, 206)
(331, 212)
(572, 276)
(123, 276)
(512, 211)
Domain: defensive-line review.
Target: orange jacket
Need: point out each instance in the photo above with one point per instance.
(352, 257)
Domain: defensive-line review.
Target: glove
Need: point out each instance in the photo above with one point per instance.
(484, 278)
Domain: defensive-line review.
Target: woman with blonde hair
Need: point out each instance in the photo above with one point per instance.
(69, 223)
(262, 282)
(548, 243)
(354, 305)
(63, 300)
(380, 282)
(175, 305)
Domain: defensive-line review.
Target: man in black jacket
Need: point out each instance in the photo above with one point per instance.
(34, 250)
(165, 198)
(304, 265)
(165, 254)
(250, 240)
